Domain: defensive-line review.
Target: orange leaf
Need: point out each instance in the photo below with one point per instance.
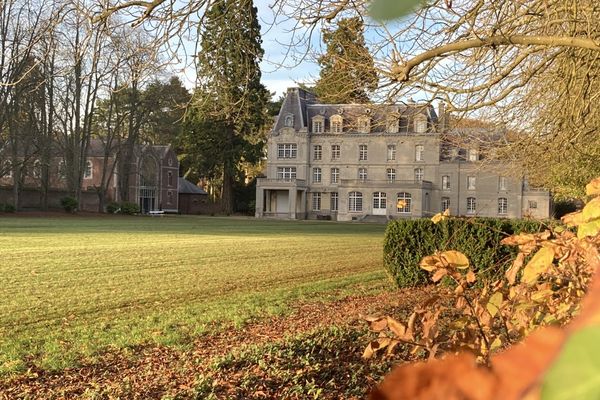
(396, 327)
(439, 274)
(455, 259)
(540, 263)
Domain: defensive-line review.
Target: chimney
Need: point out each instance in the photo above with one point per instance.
(442, 117)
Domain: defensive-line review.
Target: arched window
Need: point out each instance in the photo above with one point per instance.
(403, 202)
(37, 169)
(169, 178)
(89, 168)
(62, 169)
(355, 201)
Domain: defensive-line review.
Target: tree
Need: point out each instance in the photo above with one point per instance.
(347, 72)
(229, 106)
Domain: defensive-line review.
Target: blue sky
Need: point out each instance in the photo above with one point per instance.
(280, 71)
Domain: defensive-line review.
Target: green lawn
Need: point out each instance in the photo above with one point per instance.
(74, 286)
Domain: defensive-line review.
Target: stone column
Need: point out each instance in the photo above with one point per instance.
(260, 202)
(292, 203)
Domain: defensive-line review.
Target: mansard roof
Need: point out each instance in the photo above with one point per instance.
(304, 106)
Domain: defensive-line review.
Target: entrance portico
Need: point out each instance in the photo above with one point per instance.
(281, 198)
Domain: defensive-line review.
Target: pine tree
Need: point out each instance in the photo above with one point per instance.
(229, 106)
(347, 69)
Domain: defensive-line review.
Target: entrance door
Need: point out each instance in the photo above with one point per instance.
(379, 203)
(147, 199)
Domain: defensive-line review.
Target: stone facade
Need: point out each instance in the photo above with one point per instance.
(350, 162)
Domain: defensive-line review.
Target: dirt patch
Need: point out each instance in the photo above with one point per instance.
(151, 372)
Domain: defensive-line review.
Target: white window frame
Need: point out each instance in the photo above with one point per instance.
(286, 173)
(317, 152)
(471, 205)
(335, 175)
(471, 183)
(334, 201)
(317, 175)
(336, 151)
(355, 201)
(318, 125)
(362, 174)
(392, 124)
(364, 125)
(337, 124)
(473, 155)
(391, 152)
(287, 150)
(445, 203)
(403, 203)
(316, 201)
(391, 174)
(502, 206)
(88, 173)
(445, 182)
(380, 200)
(419, 175)
(502, 183)
(420, 124)
(419, 152)
(363, 152)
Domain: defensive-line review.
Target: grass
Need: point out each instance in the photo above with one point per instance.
(75, 286)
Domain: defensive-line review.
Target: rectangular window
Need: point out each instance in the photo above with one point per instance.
(391, 152)
(471, 205)
(335, 152)
(287, 150)
(336, 126)
(316, 175)
(391, 175)
(445, 203)
(317, 152)
(418, 174)
(169, 178)
(362, 174)
(335, 175)
(420, 152)
(286, 173)
(502, 206)
(532, 204)
(316, 201)
(169, 197)
(473, 156)
(403, 202)
(392, 125)
(445, 182)
(355, 201)
(317, 126)
(87, 174)
(502, 183)
(334, 201)
(471, 183)
(362, 152)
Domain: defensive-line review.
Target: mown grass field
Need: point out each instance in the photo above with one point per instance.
(75, 286)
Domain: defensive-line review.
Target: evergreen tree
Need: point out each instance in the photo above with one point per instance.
(229, 106)
(347, 69)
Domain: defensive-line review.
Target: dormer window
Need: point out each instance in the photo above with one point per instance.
(318, 123)
(364, 124)
(392, 124)
(473, 155)
(337, 123)
(420, 123)
(289, 121)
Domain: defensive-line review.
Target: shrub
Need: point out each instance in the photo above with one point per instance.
(129, 208)
(112, 207)
(407, 242)
(69, 203)
(8, 208)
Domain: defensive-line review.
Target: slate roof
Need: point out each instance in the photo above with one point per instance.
(187, 187)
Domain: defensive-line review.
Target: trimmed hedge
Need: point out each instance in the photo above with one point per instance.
(408, 241)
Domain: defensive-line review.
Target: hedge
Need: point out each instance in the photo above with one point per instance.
(408, 241)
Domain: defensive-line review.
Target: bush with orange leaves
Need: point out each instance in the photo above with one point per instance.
(543, 288)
